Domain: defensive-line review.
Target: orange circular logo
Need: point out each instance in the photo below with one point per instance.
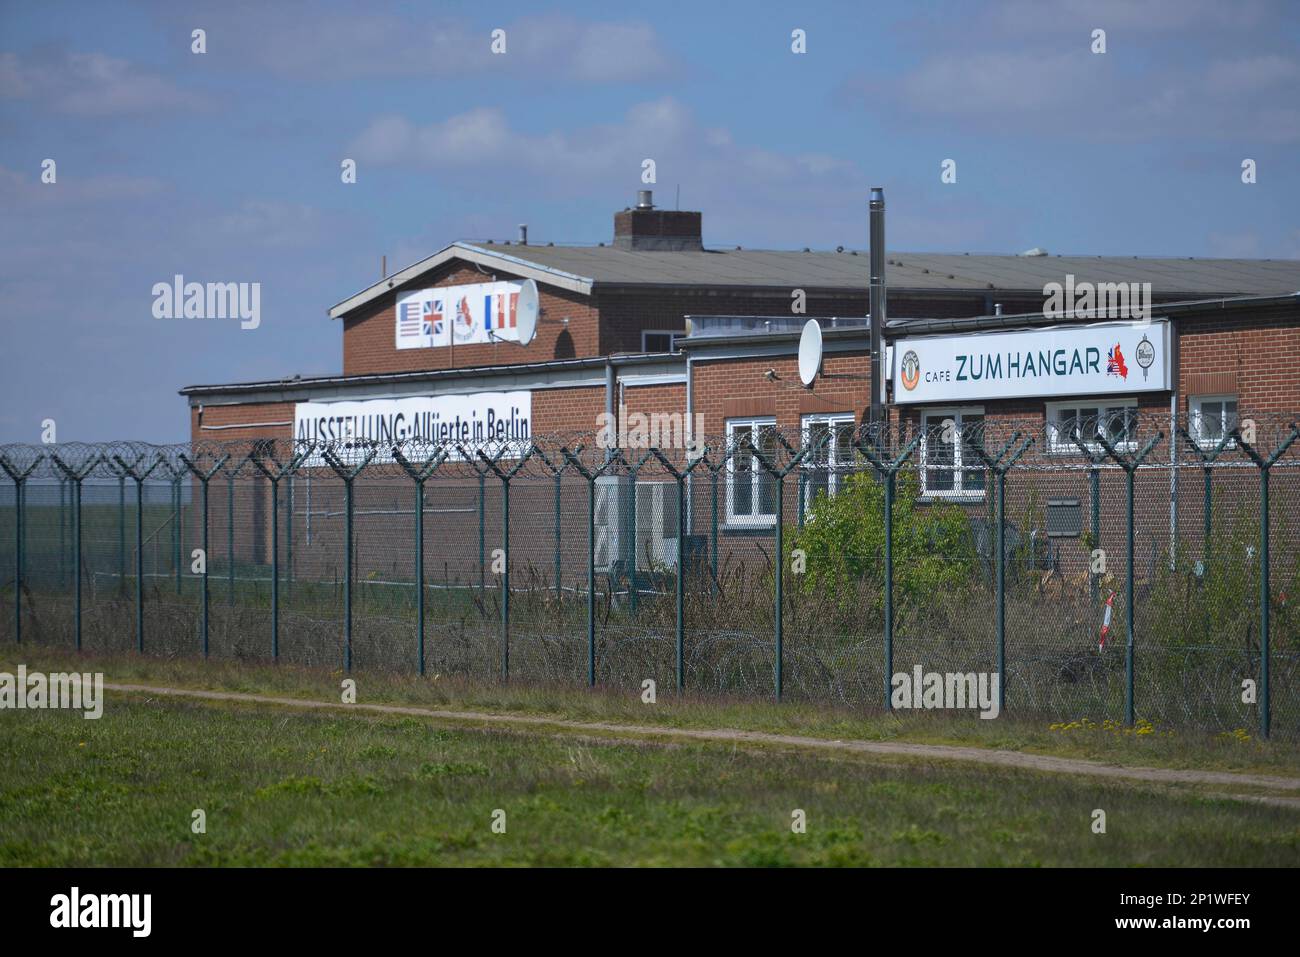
(911, 370)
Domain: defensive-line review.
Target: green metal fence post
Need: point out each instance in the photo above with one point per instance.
(348, 475)
(133, 470)
(999, 466)
(590, 475)
(1207, 458)
(713, 525)
(778, 476)
(230, 535)
(633, 586)
(1130, 467)
(1094, 478)
(19, 476)
(1265, 465)
(347, 576)
(681, 476)
(204, 478)
(505, 475)
(121, 533)
(63, 543)
(482, 546)
(261, 452)
(76, 567)
(873, 450)
(288, 539)
(73, 478)
(176, 529)
(557, 535)
(419, 474)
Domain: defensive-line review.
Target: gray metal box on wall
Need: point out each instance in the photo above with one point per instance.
(1064, 518)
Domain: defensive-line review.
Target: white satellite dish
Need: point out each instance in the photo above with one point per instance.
(810, 352)
(527, 311)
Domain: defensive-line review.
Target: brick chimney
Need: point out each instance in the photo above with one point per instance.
(662, 230)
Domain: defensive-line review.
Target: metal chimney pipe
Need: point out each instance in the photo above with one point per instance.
(523, 234)
(877, 303)
(644, 199)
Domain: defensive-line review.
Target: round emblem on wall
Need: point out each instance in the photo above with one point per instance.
(1146, 354)
(911, 371)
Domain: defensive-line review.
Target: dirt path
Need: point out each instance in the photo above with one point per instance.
(941, 752)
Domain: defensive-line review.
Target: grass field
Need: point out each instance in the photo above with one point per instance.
(283, 787)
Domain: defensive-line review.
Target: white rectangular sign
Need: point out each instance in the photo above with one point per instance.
(473, 313)
(473, 420)
(1111, 358)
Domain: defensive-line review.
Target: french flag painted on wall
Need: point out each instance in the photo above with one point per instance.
(507, 310)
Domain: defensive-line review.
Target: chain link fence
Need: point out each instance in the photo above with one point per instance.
(1107, 565)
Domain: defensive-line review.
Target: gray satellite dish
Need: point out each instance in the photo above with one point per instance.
(810, 352)
(527, 311)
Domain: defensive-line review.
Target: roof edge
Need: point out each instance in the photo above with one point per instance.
(470, 253)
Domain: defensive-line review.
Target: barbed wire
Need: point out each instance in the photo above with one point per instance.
(659, 446)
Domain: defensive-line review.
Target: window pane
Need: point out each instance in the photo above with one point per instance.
(972, 477)
(1119, 425)
(1212, 421)
(766, 484)
(742, 492)
(939, 457)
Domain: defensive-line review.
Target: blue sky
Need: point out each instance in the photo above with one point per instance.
(225, 166)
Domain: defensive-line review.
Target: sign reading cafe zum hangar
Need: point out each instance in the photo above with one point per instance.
(1113, 358)
(474, 421)
(463, 315)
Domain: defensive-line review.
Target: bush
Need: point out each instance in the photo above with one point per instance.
(844, 540)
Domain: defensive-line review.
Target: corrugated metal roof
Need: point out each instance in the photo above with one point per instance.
(923, 271)
(580, 268)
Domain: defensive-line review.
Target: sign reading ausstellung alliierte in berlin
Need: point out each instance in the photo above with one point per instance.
(1112, 358)
(475, 420)
(473, 313)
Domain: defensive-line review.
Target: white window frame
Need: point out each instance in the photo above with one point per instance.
(674, 335)
(756, 475)
(836, 470)
(1059, 444)
(1194, 414)
(931, 418)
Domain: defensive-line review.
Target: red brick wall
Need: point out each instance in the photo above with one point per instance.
(1258, 359)
(737, 387)
(241, 415)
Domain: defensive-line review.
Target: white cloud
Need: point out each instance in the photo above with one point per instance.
(19, 190)
(308, 42)
(90, 84)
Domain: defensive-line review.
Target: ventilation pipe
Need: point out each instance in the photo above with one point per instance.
(877, 303)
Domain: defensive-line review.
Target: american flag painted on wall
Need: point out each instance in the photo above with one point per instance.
(410, 324)
(419, 318)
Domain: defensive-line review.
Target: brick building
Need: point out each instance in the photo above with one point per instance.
(656, 322)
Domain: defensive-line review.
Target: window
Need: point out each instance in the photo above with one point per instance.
(949, 466)
(1114, 419)
(827, 465)
(1211, 417)
(660, 340)
(751, 492)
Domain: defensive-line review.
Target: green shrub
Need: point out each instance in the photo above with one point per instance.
(844, 541)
